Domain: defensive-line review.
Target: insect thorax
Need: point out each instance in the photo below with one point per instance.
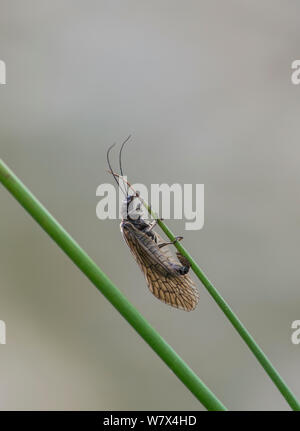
(131, 209)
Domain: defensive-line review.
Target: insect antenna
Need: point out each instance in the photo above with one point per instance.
(111, 170)
(120, 159)
(120, 154)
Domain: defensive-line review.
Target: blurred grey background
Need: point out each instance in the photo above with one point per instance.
(204, 87)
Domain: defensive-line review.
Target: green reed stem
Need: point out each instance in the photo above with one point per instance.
(249, 340)
(108, 289)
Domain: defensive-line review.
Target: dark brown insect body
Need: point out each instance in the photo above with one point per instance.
(166, 276)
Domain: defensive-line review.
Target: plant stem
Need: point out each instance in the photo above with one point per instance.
(109, 290)
(246, 336)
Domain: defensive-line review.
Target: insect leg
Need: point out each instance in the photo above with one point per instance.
(178, 238)
(151, 226)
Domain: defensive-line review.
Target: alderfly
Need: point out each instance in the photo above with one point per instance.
(166, 277)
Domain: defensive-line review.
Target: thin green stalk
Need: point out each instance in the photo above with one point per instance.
(109, 290)
(246, 336)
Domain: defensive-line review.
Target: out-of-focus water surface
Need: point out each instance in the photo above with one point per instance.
(205, 89)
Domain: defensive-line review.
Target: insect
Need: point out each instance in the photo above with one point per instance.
(166, 276)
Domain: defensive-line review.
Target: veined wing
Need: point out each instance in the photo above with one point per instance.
(158, 266)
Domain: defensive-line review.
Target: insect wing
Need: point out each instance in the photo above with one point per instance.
(157, 265)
